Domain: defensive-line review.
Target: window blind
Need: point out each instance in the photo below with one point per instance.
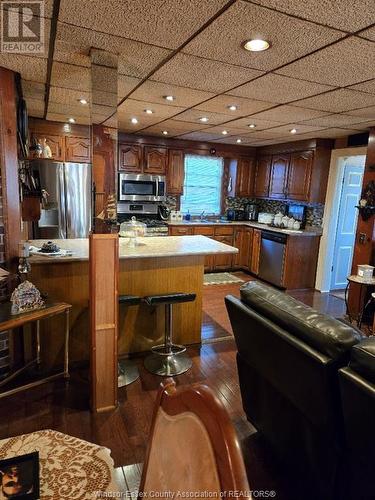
(202, 185)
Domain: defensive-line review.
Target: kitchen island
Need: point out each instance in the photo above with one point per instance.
(157, 265)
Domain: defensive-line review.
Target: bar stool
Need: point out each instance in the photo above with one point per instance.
(127, 370)
(168, 359)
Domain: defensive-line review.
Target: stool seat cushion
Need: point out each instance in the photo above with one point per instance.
(129, 300)
(169, 298)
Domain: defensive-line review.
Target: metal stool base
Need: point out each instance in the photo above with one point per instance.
(168, 366)
(127, 372)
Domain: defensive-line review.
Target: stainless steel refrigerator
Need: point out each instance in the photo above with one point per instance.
(66, 205)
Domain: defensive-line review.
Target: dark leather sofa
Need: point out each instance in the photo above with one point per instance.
(357, 384)
(288, 359)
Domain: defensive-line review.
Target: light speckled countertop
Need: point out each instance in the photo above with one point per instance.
(311, 231)
(158, 246)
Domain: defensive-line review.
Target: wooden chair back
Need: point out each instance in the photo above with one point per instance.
(193, 447)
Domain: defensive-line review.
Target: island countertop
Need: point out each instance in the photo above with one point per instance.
(158, 246)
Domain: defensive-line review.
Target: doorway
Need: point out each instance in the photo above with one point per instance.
(347, 221)
(340, 218)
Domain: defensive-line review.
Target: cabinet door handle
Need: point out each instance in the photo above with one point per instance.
(230, 185)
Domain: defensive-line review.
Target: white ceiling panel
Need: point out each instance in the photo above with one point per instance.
(368, 86)
(364, 113)
(203, 74)
(31, 68)
(347, 15)
(71, 77)
(345, 63)
(194, 115)
(291, 38)
(338, 120)
(166, 23)
(338, 101)
(288, 114)
(221, 104)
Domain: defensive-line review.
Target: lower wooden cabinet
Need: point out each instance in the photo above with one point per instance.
(243, 240)
(223, 261)
(255, 252)
(180, 230)
(209, 260)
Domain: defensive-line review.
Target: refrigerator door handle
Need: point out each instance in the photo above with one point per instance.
(62, 201)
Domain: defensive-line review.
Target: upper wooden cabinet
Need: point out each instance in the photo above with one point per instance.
(278, 176)
(155, 160)
(245, 177)
(130, 158)
(77, 149)
(262, 177)
(299, 176)
(55, 142)
(175, 172)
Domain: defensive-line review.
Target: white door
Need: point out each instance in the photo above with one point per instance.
(346, 224)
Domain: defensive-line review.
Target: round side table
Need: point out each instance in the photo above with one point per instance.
(364, 283)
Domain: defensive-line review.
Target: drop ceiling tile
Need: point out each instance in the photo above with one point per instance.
(279, 89)
(243, 123)
(334, 121)
(165, 23)
(157, 129)
(137, 108)
(75, 111)
(182, 127)
(68, 96)
(288, 114)
(344, 63)
(125, 84)
(71, 77)
(368, 86)
(135, 59)
(347, 15)
(221, 103)
(291, 38)
(330, 133)
(338, 101)
(363, 126)
(218, 129)
(284, 130)
(33, 90)
(56, 117)
(203, 74)
(364, 113)
(200, 136)
(245, 141)
(369, 33)
(193, 115)
(35, 107)
(31, 68)
(125, 117)
(155, 91)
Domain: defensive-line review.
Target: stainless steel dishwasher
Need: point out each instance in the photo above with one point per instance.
(271, 260)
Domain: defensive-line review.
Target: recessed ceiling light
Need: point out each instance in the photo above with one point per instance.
(169, 97)
(134, 121)
(83, 101)
(71, 120)
(148, 111)
(232, 107)
(293, 131)
(256, 45)
(239, 140)
(204, 119)
(165, 132)
(252, 125)
(224, 132)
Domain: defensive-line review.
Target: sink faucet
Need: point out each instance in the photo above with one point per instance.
(202, 215)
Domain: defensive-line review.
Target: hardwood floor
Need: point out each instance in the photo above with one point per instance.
(125, 430)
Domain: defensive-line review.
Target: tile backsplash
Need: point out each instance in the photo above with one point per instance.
(314, 212)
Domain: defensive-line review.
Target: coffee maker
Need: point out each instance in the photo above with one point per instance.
(251, 211)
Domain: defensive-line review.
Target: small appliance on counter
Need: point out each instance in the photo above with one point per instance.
(235, 214)
(251, 211)
(265, 218)
(298, 213)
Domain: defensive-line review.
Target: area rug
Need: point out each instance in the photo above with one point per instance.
(220, 279)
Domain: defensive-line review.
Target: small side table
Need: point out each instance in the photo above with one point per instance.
(10, 321)
(364, 283)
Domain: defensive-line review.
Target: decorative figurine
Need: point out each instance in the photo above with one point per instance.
(26, 297)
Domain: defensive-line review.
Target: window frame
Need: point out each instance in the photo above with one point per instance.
(224, 179)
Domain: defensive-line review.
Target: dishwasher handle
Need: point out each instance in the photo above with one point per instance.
(279, 238)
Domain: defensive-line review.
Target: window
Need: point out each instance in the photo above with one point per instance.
(202, 185)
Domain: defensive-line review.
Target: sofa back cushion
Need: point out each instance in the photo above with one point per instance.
(322, 332)
(362, 359)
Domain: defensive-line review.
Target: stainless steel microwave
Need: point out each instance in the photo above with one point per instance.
(141, 187)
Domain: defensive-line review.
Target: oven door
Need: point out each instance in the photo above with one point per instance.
(140, 187)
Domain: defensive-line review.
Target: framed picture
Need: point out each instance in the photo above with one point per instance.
(19, 477)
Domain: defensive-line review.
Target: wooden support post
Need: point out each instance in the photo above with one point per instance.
(104, 266)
